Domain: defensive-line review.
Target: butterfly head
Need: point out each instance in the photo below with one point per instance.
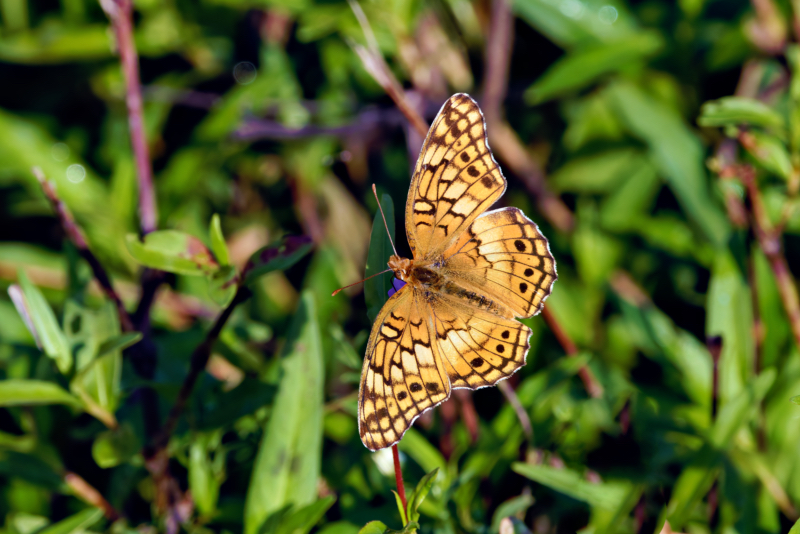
(400, 266)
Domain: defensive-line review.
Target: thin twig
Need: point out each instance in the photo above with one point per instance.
(590, 383)
(197, 365)
(498, 58)
(770, 244)
(398, 477)
(75, 235)
(505, 140)
(511, 396)
(120, 12)
(89, 494)
(376, 65)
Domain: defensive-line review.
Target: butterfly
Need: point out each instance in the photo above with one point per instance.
(452, 325)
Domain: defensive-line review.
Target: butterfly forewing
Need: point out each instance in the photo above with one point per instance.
(455, 180)
(505, 255)
(484, 269)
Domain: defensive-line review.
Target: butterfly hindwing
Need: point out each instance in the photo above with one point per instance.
(505, 255)
(479, 348)
(403, 375)
(455, 179)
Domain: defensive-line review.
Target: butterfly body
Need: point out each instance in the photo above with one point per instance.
(473, 272)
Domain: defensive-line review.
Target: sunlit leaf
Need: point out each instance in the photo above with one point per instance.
(20, 392)
(587, 64)
(287, 468)
(736, 111)
(47, 331)
(74, 524)
(218, 245)
(172, 251)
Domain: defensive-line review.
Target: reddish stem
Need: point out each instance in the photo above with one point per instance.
(591, 384)
(121, 14)
(398, 475)
(75, 234)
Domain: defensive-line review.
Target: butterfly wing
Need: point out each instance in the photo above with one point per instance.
(403, 374)
(504, 256)
(479, 348)
(455, 180)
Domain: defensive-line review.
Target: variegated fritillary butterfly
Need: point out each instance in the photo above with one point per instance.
(453, 324)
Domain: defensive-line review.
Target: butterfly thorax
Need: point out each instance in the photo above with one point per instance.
(431, 280)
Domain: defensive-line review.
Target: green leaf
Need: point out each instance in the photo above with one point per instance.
(288, 463)
(735, 111)
(676, 151)
(46, 329)
(605, 495)
(174, 252)
(795, 528)
(582, 67)
(769, 151)
(23, 392)
(77, 523)
(206, 471)
(696, 479)
(511, 507)
(99, 361)
(597, 173)
(419, 494)
(380, 248)
(373, 527)
(573, 24)
(421, 451)
(120, 342)
(222, 285)
(277, 256)
(399, 502)
(302, 519)
(218, 245)
(114, 447)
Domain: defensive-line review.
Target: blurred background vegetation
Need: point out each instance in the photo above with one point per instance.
(211, 385)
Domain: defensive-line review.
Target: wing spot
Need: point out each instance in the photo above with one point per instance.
(415, 387)
(520, 245)
(487, 181)
(433, 387)
(402, 395)
(472, 171)
(505, 334)
(383, 412)
(477, 362)
(500, 348)
(528, 272)
(464, 157)
(523, 287)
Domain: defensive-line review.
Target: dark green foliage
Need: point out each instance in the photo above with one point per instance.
(669, 130)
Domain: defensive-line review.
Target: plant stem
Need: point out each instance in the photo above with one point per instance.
(197, 365)
(398, 476)
(75, 234)
(120, 12)
(770, 244)
(591, 384)
(89, 494)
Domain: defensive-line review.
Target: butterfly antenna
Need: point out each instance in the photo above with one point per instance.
(360, 281)
(375, 192)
